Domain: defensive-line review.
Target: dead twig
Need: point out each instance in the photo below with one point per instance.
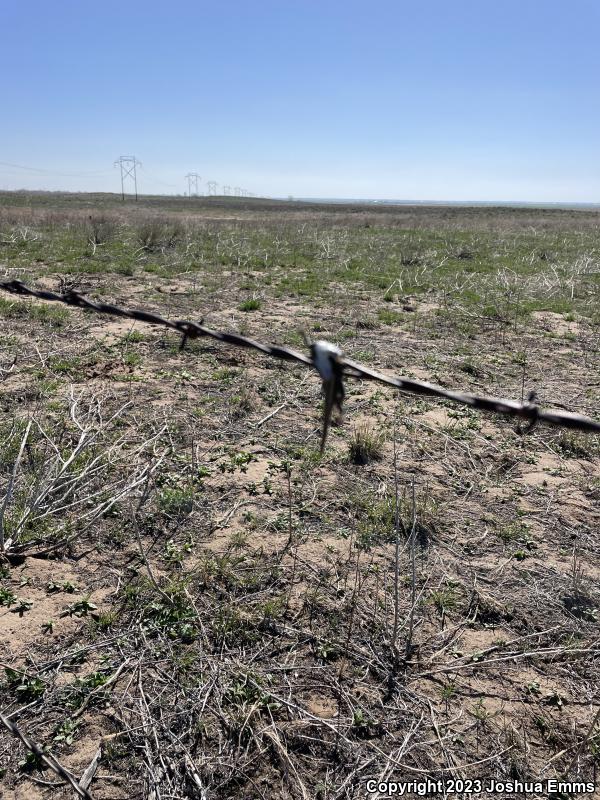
(46, 757)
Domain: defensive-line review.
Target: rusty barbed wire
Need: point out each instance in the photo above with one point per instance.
(48, 759)
(329, 362)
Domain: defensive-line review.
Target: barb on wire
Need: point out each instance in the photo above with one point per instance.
(329, 362)
(46, 757)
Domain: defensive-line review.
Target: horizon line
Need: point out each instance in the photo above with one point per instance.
(326, 199)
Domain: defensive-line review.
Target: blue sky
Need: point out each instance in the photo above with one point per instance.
(426, 99)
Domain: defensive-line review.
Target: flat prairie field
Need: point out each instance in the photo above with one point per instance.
(196, 603)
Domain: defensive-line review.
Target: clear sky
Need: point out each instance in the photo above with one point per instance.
(400, 99)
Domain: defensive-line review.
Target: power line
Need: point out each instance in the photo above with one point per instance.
(128, 169)
(52, 172)
(154, 179)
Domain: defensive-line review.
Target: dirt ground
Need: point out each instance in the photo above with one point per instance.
(191, 591)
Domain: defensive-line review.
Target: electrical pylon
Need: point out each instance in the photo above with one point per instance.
(128, 166)
(192, 179)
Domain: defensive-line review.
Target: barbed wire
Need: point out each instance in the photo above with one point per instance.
(329, 362)
(48, 759)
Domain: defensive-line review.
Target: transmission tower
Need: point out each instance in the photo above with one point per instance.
(192, 179)
(226, 190)
(212, 188)
(237, 191)
(128, 165)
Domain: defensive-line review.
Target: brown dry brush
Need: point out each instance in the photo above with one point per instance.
(82, 466)
(416, 646)
(216, 679)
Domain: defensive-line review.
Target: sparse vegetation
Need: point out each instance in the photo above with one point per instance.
(185, 578)
(253, 304)
(366, 444)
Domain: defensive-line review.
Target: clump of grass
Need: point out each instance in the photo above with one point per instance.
(242, 403)
(158, 234)
(576, 445)
(250, 305)
(366, 324)
(464, 254)
(471, 369)
(101, 229)
(366, 445)
(389, 317)
(133, 337)
(54, 316)
(176, 501)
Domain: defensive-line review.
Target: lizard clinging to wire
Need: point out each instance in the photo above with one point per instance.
(326, 361)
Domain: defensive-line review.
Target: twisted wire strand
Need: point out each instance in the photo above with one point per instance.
(344, 367)
(46, 757)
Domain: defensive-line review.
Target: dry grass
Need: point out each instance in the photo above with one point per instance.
(366, 445)
(213, 605)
